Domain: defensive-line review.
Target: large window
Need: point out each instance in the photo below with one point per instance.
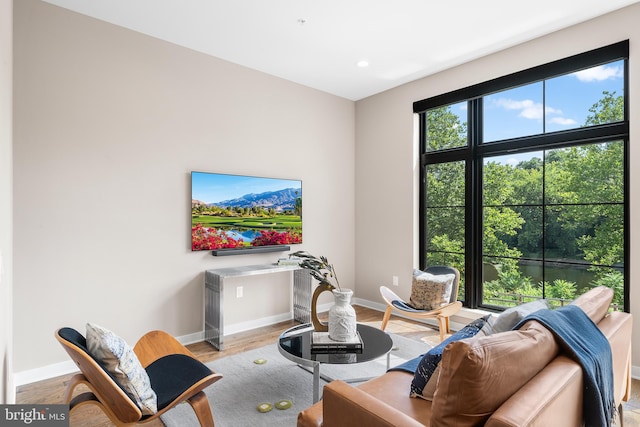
(524, 184)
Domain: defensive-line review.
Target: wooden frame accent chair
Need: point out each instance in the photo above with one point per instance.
(442, 314)
(174, 372)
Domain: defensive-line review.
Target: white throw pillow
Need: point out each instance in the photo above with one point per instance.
(429, 291)
(119, 359)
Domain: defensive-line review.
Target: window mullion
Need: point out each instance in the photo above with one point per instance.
(474, 207)
(422, 206)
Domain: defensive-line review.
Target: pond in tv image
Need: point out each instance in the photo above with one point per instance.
(233, 211)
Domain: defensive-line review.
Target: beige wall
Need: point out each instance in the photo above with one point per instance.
(108, 125)
(386, 163)
(6, 307)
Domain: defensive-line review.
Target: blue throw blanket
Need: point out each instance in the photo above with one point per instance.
(581, 339)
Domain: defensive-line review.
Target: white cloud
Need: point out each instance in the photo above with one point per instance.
(512, 161)
(528, 108)
(563, 121)
(599, 73)
(531, 110)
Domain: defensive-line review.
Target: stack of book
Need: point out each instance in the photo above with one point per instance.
(293, 260)
(321, 343)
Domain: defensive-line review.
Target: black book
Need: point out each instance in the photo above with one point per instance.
(321, 343)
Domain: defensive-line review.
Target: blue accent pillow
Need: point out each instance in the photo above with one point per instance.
(431, 359)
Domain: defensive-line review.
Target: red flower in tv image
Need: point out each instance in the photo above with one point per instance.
(203, 239)
(270, 237)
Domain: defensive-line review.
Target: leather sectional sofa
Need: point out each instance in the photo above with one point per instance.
(514, 378)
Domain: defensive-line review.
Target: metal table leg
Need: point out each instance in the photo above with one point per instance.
(316, 382)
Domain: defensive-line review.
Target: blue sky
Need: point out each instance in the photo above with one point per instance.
(519, 111)
(212, 188)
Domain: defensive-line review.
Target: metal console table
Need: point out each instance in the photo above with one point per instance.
(214, 286)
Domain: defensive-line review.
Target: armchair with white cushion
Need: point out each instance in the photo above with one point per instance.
(441, 314)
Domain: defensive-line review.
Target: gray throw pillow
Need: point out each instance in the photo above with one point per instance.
(511, 316)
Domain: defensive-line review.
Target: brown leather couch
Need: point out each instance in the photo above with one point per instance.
(515, 378)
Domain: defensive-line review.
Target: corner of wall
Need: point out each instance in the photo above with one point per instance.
(7, 391)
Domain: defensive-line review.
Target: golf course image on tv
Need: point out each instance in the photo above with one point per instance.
(241, 212)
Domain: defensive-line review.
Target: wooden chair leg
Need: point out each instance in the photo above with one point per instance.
(443, 326)
(86, 398)
(75, 380)
(621, 415)
(200, 405)
(387, 315)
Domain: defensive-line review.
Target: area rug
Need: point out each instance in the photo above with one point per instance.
(245, 385)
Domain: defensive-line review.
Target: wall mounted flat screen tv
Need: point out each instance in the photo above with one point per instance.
(237, 214)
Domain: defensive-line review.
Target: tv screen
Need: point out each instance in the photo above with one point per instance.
(243, 212)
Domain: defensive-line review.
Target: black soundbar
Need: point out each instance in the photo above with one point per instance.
(250, 250)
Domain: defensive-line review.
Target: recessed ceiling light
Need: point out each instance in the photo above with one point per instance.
(363, 64)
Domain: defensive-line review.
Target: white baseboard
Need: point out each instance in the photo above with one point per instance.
(68, 367)
(254, 324)
(44, 373)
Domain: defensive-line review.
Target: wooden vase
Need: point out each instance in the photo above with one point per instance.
(317, 324)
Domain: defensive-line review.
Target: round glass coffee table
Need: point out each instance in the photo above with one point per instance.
(295, 345)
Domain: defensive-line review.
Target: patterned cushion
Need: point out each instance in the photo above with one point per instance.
(429, 291)
(431, 359)
(122, 362)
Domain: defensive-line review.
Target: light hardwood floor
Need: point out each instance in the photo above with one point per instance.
(51, 391)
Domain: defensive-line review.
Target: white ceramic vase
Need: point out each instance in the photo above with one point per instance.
(342, 317)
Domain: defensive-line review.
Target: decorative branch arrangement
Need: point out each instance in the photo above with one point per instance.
(319, 268)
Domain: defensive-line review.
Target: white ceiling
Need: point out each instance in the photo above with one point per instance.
(318, 43)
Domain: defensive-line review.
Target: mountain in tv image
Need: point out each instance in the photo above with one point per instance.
(281, 200)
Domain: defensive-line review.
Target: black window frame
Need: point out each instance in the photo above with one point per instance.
(476, 150)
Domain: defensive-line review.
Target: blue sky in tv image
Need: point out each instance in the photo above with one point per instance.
(214, 187)
(557, 104)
